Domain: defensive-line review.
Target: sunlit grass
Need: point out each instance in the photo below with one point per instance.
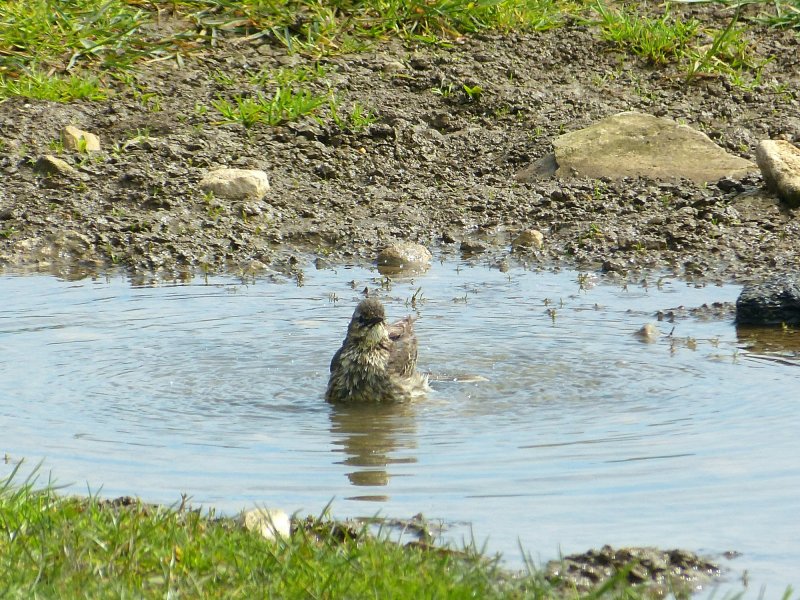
(54, 546)
(53, 49)
(284, 105)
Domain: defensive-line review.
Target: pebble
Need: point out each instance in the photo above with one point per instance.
(236, 184)
(77, 139)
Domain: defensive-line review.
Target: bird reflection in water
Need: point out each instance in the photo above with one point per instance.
(373, 437)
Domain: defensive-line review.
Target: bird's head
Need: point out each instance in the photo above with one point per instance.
(369, 321)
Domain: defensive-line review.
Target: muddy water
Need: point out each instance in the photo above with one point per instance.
(581, 434)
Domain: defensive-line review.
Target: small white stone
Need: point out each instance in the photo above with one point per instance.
(779, 162)
(236, 184)
(77, 139)
(269, 523)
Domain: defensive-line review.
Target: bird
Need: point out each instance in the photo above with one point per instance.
(377, 361)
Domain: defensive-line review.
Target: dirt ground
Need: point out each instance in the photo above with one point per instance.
(437, 166)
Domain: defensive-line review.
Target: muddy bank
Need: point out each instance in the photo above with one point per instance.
(436, 166)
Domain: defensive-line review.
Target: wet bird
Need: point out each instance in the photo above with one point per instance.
(377, 361)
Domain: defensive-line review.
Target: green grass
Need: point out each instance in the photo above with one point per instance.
(82, 49)
(787, 14)
(54, 546)
(58, 546)
(659, 40)
(670, 40)
(284, 105)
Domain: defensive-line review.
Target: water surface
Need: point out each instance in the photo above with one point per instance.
(581, 435)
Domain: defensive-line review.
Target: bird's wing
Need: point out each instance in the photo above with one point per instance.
(336, 358)
(403, 353)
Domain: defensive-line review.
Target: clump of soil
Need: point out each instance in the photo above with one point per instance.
(436, 167)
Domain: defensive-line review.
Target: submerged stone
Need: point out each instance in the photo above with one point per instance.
(648, 333)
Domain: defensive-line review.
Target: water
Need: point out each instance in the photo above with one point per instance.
(581, 435)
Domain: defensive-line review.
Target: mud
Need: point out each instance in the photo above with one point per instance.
(436, 167)
(662, 572)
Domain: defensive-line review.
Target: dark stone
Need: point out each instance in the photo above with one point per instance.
(772, 302)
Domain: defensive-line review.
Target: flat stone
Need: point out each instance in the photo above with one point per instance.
(236, 184)
(404, 257)
(772, 302)
(52, 165)
(77, 139)
(632, 144)
(779, 162)
(269, 523)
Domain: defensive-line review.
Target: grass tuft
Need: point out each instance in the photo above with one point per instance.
(284, 105)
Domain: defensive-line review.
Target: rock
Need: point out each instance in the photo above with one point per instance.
(269, 523)
(632, 144)
(236, 184)
(404, 257)
(648, 333)
(772, 302)
(472, 247)
(779, 162)
(659, 570)
(393, 66)
(77, 139)
(530, 238)
(543, 168)
(52, 165)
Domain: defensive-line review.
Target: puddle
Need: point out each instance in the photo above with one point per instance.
(580, 435)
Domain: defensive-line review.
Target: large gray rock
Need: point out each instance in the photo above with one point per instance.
(779, 162)
(632, 144)
(772, 302)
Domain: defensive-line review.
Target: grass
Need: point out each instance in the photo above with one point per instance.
(659, 40)
(54, 546)
(284, 105)
(667, 39)
(58, 546)
(82, 49)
